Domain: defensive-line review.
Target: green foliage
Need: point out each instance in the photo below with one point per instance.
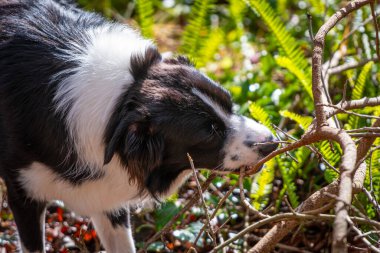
(194, 31)
(145, 12)
(263, 181)
(210, 47)
(303, 77)
(165, 213)
(332, 153)
(262, 185)
(303, 121)
(288, 180)
(289, 45)
(237, 11)
(318, 6)
(357, 93)
(276, 25)
(260, 115)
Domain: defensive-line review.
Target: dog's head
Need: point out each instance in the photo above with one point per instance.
(171, 110)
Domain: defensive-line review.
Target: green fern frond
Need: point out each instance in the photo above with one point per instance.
(259, 114)
(288, 180)
(332, 157)
(330, 175)
(357, 93)
(210, 47)
(262, 185)
(302, 76)
(197, 22)
(282, 6)
(318, 6)
(375, 162)
(288, 44)
(237, 10)
(303, 121)
(145, 12)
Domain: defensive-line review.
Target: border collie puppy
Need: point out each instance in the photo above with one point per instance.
(91, 114)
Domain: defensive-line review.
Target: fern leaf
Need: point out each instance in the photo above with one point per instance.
(276, 25)
(288, 180)
(145, 12)
(262, 185)
(259, 114)
(237, 11)
(375, 163)
(318, 6)
(289, 45)
(210, 47)
(302, 76)
(333, 157)
(330, 175)
(303, 121)
(357, 93)
(192, 34)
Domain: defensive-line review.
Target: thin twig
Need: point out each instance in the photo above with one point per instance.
(350, 65)
(204, 205)
(364, 129)
(369, 245)
(340, 109)
(282, 246)
(372, 4)
(284, 216)
(189, 204)
(310, 19)
(313, 149)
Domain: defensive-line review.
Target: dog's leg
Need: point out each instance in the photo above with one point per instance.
(30, 220)
(114, 231)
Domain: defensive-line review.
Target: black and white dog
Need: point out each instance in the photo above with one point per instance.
(91, 114)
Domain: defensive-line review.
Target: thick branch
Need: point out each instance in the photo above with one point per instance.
(353, 104)
(317, 200)
(319, 42)
(347, 66)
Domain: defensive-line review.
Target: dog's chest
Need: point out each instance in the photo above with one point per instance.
(112, 191)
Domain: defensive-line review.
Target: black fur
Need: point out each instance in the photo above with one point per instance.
(29, 58)
(119, 218)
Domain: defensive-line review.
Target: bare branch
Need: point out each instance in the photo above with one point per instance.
(351, 65)
(293, 216)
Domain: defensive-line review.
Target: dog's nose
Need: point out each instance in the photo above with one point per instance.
(266, 149)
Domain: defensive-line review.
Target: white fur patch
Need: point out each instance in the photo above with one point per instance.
(207, 100)
(243, 129)
(115, 239)
(112, 191)
(88, 96)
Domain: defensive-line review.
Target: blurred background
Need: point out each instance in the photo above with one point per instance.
(261, 52)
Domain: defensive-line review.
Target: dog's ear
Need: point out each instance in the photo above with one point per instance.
(140, 147)
(143, 150)
(113, 141)
(117, 129)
